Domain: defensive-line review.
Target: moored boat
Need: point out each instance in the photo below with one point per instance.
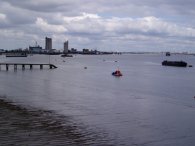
(168, 54)
(174, 63)
(16, 54)
(66, 55)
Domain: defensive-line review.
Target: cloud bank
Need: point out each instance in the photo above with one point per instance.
(125, 25)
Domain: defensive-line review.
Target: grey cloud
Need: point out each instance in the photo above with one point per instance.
(103, 6)
(44, 6)
(107, 23)
(15, 15)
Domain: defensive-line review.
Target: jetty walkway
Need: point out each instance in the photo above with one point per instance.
(24, 65)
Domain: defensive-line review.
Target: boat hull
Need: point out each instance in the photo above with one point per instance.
(16, 55)
(117, 74)
(174, 63)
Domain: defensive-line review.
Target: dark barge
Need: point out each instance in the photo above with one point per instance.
(174, 63)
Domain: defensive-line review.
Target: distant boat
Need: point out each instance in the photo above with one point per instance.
(174, 63)
(190, 66)
(168, 54)
(16, 54)
(66, 55)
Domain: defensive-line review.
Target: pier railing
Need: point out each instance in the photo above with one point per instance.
(24, 65)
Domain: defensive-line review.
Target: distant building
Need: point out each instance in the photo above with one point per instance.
(85, 51)
(35, 49)
(73, 50)
(66, 47)
(48, 43)
(2, 50)
(90, 52)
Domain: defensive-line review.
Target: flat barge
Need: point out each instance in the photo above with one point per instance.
(174, 63)
(17, 54)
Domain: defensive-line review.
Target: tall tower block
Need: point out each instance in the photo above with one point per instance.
(66, 47)
(48, 43)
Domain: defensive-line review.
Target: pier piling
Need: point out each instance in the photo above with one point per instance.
(23, 67)
(15, 65)
(7, 67)
(31, 66)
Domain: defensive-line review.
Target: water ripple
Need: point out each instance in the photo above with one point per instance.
(23, 126)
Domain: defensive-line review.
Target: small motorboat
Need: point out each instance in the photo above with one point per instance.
(117, 73)
(190, 66)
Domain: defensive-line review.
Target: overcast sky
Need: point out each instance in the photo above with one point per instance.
(117, 25)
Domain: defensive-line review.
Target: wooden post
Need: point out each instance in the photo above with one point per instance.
(15, 66)
(7, 67)
(41, 66)
(23, 67)
(31, 66)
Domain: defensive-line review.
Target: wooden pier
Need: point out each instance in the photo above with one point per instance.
(24, 65)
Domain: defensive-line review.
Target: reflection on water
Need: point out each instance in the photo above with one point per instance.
(150, 105)
(22, 126)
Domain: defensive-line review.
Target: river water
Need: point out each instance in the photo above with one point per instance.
(150, 105)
